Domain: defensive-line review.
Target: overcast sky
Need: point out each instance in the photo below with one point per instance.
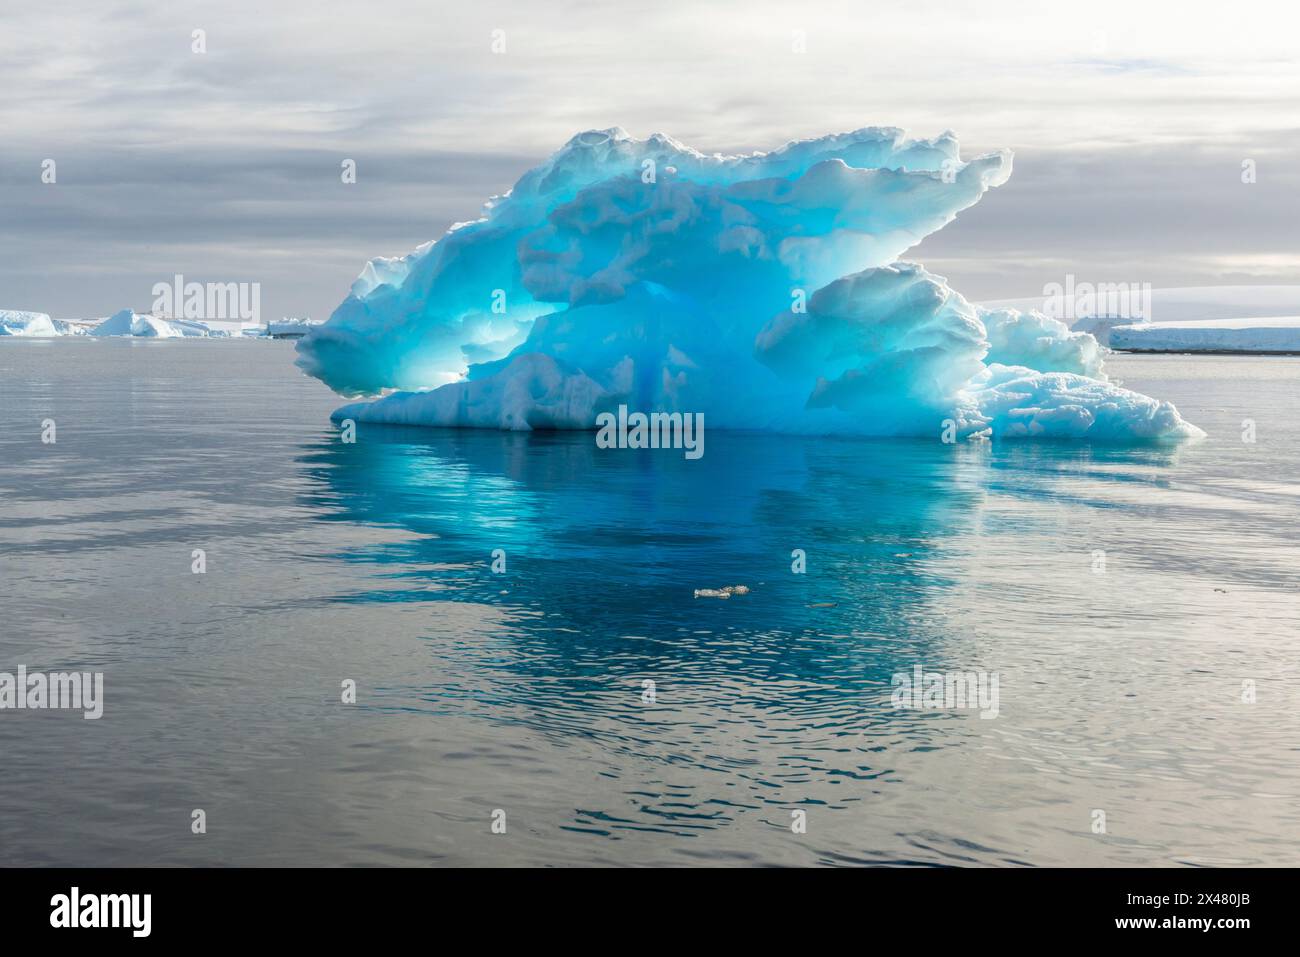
(1130, 122)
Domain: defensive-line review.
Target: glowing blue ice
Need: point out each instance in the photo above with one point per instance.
(761, 290)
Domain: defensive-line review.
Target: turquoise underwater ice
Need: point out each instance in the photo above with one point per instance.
(763, 291)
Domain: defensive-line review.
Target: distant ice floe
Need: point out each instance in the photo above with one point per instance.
(288, 328)
(1264, 334)
(1229, 319)
(129, 323)
(123, 323)
(1183, 319)
(1174, 303)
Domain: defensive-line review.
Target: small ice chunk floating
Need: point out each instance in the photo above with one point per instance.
(725, 592)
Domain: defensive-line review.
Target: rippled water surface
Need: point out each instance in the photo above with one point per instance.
(1120, 691)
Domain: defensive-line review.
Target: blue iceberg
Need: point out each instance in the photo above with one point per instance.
(763, 291)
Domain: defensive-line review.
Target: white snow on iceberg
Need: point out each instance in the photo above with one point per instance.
(761, 290)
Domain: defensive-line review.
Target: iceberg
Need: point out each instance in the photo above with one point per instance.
(72, 327)
(128, 323)
(15, 322)
(290, 327)
(118, 324)
(764, 291)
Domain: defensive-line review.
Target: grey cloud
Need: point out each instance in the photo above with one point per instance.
(1141, 215)
(225, 165)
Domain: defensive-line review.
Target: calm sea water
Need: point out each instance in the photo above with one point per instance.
(1120, 691)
